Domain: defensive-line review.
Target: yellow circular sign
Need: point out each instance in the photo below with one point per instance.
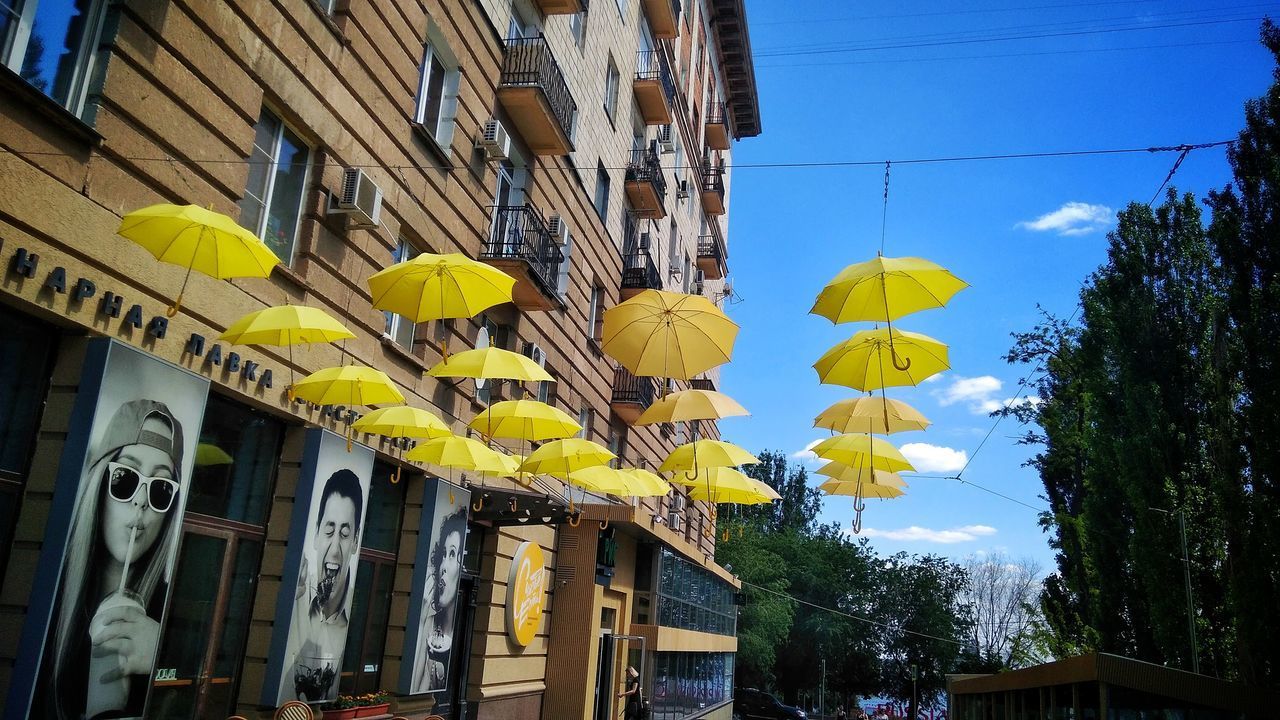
(526, 585)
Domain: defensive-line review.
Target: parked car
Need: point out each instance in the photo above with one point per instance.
(751, 704)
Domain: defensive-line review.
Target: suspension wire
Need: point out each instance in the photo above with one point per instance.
(884, 211)
(1186, 150)
(851, 616)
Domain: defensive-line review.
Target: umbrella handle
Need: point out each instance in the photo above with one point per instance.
(574, 519)
(478, 505)
(604, 524)
(857, 522)
(173, 309)
(396, 478)
(511, 503)
(902, 364)
(451, 499)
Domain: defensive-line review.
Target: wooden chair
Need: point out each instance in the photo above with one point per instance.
(294, 710)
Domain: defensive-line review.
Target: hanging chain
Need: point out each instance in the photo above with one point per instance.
(884, 212)
(1186, 150)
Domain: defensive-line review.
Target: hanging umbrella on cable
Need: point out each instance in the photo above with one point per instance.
(559, 458)
(349, 385)
(198, 239)
(884, 289)
(662, 334)
(286, 326)
(696, 456)
(402, 421)
(689, 405)
(757, 494)
(490, 363)
(848, 474)
(874, 359)
(527, 420)
(647, 484)
(859, 450)
(457, 453)
(869, 414)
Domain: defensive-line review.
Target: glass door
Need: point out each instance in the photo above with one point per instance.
(198, 662)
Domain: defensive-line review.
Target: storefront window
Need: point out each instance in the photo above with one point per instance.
(687, 683)
(25, 351)
(371, 604)
(691, 598)
(199, 662)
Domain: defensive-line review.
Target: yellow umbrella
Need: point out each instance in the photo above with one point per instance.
(348, 385)
(456, 452)
(880, 358)
(861, 490)
(601, 479)
(706, 454)
(758, 494)
(884, 289)
(662, 334)
(198, 239)
(510, 466)
(402, 421)
(435, 287)
(647, 484)
(688, 405)
(859, 450)
(845, 473)
(561, 457)
(285, 325)
(209, 454)
(881, 415)
(715, 477)
(490, 363)
(524, 420)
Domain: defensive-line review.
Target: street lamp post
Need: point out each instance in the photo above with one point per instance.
(1186, 576)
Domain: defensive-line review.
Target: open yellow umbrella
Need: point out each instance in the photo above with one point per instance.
(456, 452)
(845, 473)
(886, 288)
(880, 358)
(208, 454)
(859, 450)
(662, 334)
(510, 467)
(687, 405)
(647, 484)
(490, 363)
(285, 325)
(435, 287)
(721, 476)
(861, 490)
(601, 479)
(402, 421)
(860, 483)
(527, 420)
(758, 494)
(348, 385)
(198, 239)
(561, 457)
(880, 415)
(696, 456)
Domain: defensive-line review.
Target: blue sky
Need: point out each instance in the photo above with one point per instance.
(1021, 232)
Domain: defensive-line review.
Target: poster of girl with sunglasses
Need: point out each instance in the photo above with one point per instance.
(126, 520)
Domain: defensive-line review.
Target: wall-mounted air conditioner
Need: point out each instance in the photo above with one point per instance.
(358, 197)
(666, 139)
(494, 140)
(682, 190)
(559, 230)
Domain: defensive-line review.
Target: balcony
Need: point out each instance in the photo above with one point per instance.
(655, 90)
(535, 95)
(561, 7)
(646, 187)
(717, 131)
(711, 256)
(639, 273)
(702, 383)
(664, 17)
(521, 246)
(631, 395)
(712, 181)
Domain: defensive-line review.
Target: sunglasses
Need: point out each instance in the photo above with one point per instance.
(123, 483)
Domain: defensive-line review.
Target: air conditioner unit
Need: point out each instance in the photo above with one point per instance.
(494, 140)
(675, 521)
(535, 353)
(666, 139)
(699, 277)
(559, 230)
(644, 241)
(682, 190)
(357, 197)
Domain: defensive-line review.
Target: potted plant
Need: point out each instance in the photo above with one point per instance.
(343, 708)
(374, 703)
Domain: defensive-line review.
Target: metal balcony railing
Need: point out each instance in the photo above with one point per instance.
(646, 166)
(639, 271)
(712, 177)
(702, 383)
(715, 113)
(709, 247)
(652, 65)
(520, 233)
(529, 63)
(632, 390)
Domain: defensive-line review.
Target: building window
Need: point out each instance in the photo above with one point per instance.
(686, 683)
(602, 192)
(371, 602)
(437, 90)
(326, 6)
(566, 262)
(595, 314)
(399, 328)
(496, 336)
(692, 598)
(611, 80)
(224, 528)
(587, 419)
(578, 29)
(545, 395)
(53, 45)
(272, 202)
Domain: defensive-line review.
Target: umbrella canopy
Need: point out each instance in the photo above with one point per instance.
(662, 334)
(510, 466)
(348, 385)
(758, 494)
(602, 479)
(859, 450)
(209, 454)
(688, 405)
(198, 239)
(434, 287)
(524, 420)
(706, 454)
(402, 421)
(457, 452)
(885, 289)
(490, 363)
(881, 415)
(727, 477)
(883, 357)
(561, 457)
(285, 325)
(866, 476)
(646, 484)
(860, 490)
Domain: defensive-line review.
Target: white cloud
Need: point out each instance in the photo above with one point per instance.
(964, 533)
(933, 378)
(1073, 218)
(934, 458)
(972, 390)
(807, 454)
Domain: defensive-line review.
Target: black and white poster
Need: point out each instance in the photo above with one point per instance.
(312, 617)
(437, 575)
(103, 581)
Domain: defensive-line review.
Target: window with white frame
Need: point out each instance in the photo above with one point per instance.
(602, 192)
(273, 197)
(586, 418)
(611, 80)
(578, 28)
(562, 272)
(53, 45)
(437, 90)
(399, 328)
(595, 313)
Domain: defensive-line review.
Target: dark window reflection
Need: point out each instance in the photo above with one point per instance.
(685, 684)
(692, 598)
(54, 48)
(235, 462)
